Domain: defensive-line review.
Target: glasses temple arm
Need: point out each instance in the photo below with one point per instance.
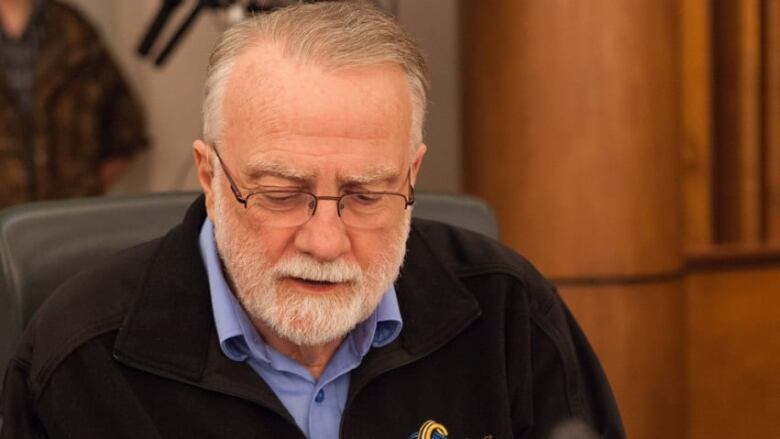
(233, 188)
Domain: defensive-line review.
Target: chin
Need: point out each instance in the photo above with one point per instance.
(309, 318)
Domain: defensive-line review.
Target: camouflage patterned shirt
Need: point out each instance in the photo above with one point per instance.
(82, 113)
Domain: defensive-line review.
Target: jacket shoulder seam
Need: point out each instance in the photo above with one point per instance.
(507, 270)
(571, 383)
(479, 269)
(99, 327)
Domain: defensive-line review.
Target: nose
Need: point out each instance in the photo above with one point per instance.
(324, 237)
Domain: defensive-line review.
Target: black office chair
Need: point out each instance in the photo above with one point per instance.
(42, 244)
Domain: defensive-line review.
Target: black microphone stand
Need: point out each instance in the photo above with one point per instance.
(186, 24)
(162, 17)
(168, 7)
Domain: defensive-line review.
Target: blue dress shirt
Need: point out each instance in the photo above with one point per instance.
(316, 405)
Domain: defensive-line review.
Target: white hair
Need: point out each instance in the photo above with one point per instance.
(333, 35)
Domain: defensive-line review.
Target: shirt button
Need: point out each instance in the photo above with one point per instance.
(320, 396)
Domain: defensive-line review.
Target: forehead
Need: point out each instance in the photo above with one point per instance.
(276, 109)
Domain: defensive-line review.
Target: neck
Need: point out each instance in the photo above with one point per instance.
(14, 15)
(314, 358)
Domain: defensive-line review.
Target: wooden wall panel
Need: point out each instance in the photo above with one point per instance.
(571, 118)
(734, 353)
(772, 117)
(737, 121)
(571, 131)
(585, 124)
(636, 332)
(696, 126)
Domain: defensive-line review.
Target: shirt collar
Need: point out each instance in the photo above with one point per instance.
(225, 307)
(236, 333)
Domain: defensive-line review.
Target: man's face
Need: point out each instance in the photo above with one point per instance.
(293, 126)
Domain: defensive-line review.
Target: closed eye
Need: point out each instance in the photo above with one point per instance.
(366, 197)
(280, 200)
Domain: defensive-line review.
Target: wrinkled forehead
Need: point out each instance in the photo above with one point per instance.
(267, 95)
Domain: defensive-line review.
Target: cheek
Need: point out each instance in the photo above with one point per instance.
(274, 243)
(369, 246)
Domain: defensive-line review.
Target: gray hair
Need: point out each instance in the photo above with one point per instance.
(331, 34)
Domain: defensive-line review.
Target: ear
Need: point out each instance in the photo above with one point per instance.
(201, 151)
(417, 158)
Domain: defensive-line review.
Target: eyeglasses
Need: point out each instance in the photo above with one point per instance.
(292, 208)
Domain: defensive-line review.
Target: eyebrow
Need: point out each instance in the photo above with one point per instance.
(377, 174)
(261, 168)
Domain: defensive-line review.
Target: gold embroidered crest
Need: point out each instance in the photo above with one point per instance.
(430, 429)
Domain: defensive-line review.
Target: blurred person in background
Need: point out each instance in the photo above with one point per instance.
(68, 122)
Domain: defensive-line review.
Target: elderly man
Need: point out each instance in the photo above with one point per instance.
(276, 309)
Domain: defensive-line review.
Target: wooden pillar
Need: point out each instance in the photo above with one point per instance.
(737, 122)
(696, 127)
(734, 340)
(571, 132)
(771, 29)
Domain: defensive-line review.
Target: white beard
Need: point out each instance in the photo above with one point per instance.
(304, 319)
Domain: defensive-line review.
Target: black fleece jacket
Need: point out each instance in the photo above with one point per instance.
(128, 349)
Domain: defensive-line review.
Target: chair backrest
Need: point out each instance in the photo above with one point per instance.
(44, 243)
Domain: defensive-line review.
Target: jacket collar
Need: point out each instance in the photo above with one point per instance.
(169, 329)
(169, 324)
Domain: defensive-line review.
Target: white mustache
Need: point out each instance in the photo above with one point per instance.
(301, 267)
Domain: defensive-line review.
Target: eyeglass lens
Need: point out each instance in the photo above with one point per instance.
(360, 210)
